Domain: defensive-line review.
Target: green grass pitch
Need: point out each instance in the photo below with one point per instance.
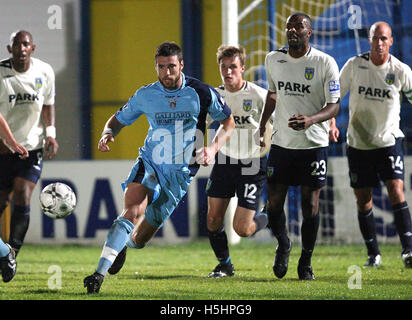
(179, 272)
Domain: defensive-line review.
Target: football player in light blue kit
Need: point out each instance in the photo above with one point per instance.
(176, 107)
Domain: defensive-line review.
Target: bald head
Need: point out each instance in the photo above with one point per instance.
(380, 39)
(380, 25)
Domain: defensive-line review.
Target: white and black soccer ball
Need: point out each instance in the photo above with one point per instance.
(57, 200)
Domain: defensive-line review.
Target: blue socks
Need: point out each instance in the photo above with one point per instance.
(115, 242)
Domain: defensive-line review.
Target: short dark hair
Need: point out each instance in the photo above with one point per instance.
(231, 51)
(167, 49)
(304, 15)
(16, 33)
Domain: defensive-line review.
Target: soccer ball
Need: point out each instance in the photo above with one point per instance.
(57, 200)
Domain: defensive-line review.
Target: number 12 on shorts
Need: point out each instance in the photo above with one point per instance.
(250, 190)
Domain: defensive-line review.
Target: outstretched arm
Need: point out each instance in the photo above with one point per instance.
(111, 129)
(9, 140)
(206, 155)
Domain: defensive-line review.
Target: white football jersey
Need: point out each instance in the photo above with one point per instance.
(22, 96)
(374, 100)
(247, 106)
(303, 86)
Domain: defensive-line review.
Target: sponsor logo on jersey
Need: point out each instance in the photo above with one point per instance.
(282, 61)
(38, 82)
(241, 119)
(334, 86)
(247, 105)
(293, 86)
(390, 78)
(23, 97)
(309, 73)
(374, 93)
(167, 118)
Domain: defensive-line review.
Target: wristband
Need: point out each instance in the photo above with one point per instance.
(51, 132)
(108, 131)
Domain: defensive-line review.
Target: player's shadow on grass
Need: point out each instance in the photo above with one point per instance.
(162, 277)
(42, 291)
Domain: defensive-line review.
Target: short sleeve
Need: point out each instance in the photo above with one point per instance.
(331, 85)
(270, 80)
(132, 110)
(50, 90)
(345, 78)
(218, 109)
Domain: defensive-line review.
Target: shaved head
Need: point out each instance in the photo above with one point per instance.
(379, 25)
(380, 39)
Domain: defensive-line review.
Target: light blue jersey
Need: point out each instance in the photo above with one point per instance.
(177, 122)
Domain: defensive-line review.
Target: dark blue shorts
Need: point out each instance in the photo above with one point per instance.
(368, 167)
(11, 167)
(227, 180)
(297, 167)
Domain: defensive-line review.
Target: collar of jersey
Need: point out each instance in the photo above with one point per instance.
(180, 88)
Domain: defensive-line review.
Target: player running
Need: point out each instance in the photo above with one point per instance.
(304, 88)
(240, 166)
(176, 107)
(8, 264)
(375, 80)
(27, 91)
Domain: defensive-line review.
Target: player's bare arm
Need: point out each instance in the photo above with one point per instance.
(9, 141)
(206, 155)
(302, 122)
(270, 106)
(48, 115)
(111, 129)
(333, 131)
